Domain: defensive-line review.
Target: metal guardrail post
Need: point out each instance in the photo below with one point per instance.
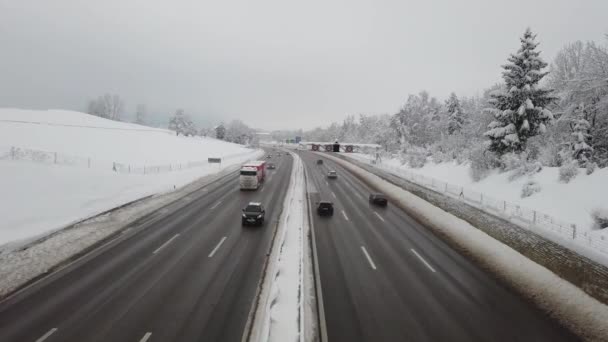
(573, 231)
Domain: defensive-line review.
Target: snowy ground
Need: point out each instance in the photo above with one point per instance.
(564, 301)
(571, 202)
(282, 314)
(39, 196)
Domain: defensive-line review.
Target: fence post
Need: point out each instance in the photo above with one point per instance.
(573, 231)
(114, 166)
(55, 158)
(504, 205)
(446, 188)
(481, 198)
(534, 219)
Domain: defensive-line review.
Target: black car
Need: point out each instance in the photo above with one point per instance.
(325, 208)
(378, 199)
(319, 161)
(271, 166)
(253, 214)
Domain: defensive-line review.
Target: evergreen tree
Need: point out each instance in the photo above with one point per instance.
(455, 114)
(581, 144)
(519, 112)
(220, 132)
(140, 114)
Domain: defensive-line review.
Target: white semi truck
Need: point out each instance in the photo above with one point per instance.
(252, 175)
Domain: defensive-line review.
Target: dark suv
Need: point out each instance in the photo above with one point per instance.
(325, 208)
(253, 214)
(378, 199)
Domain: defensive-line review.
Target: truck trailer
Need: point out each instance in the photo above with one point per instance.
(252, 175)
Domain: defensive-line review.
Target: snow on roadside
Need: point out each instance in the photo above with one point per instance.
(280, 315)
(572, 202)
(562, 300)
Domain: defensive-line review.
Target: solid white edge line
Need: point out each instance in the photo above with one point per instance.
(423, 261)
(45, 336)
(371, 262)
(146, 337)
(334, 194)
(165, 244)
(215, 205)
(380, 217)
(217, 247)
(344, 214)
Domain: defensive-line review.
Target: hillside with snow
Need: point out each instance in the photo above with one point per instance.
(59, 167)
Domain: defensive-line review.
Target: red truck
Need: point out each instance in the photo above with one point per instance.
(252, 175)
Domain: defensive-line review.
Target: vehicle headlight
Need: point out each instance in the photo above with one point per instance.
(260, 216)
(244, 215)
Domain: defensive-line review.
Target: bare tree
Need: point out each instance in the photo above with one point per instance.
(107, 106)
(140, 114)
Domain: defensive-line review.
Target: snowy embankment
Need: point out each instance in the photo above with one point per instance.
(58, 167)
(282, 314)
(570, 202)
(560, 299)
(559, 212)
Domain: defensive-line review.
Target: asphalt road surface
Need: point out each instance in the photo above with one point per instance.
(384, 277)
(188, 272)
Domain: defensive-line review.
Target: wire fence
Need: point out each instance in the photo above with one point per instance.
(526, 218)
(49, 157)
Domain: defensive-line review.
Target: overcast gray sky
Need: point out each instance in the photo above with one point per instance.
(273, 64)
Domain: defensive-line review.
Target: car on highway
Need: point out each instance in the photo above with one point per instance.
(378, 199)
(253, 214)
(325, 208)
(319, 161)
(271, 166)
(332, 175)
(269, 156)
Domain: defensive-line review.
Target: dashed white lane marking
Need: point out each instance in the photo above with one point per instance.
(165, 244)
(345, 217)
(45, 336)
(217, 247)
(215, 205)
(334, 194)
(380, 217)
(423, 261)
(371, 262)
(146, 337)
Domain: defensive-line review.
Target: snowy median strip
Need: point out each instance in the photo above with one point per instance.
(559, 298)
(281, 314)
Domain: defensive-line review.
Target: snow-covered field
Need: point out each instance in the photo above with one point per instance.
(569, 202)
(40, 197)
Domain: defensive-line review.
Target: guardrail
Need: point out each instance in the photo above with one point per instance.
(526, 218)
(49, 157)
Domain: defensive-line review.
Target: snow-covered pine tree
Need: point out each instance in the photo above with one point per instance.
(581, 144)
(455, 114)
(520, 111)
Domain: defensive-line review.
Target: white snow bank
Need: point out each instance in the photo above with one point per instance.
(281, 314)
(562, 300)
(38, 198)
(570, 202)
